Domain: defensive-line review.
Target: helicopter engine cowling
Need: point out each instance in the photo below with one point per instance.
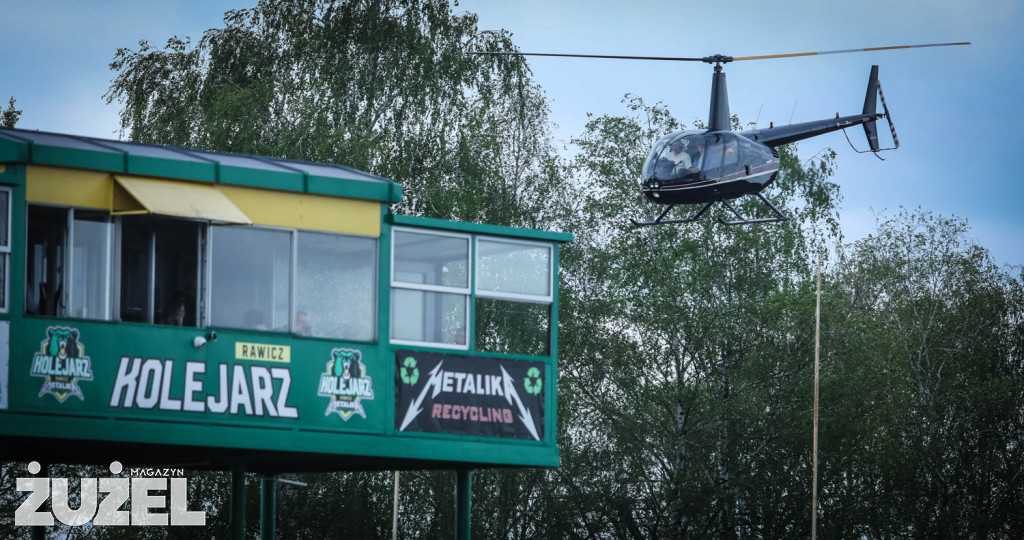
(687, 167)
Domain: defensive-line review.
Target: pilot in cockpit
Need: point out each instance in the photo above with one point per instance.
(679, 156)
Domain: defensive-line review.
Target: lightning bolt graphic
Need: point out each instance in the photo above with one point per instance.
(414, 408)
(511, 395)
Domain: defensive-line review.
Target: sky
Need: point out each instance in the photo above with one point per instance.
(955, 108)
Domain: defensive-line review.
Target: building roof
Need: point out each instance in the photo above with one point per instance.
(61, 150)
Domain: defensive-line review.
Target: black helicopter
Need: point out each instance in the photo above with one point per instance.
(718, 165)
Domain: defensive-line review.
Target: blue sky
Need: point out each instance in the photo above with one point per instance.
(955, 108)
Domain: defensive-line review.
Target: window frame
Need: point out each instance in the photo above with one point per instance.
(466, 292)
(69, 263)
(5, 251)
(517, 297)
(375, 288)
(118, 251)
(206, 286)
(208, 289)
(113, 258)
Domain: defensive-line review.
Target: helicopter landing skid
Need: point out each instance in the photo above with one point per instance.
(779, 216)
(660, 220)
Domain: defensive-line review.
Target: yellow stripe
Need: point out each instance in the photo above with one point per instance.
(887, 48)
(775, 56)
(69, 187)
(306, 211)
(92, 189)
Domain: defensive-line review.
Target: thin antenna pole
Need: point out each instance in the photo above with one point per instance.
(394, 519)
(791, 113)
(817, 349)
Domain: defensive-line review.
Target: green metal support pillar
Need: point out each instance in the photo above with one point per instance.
(237, 531)
(463, 503)
(268, 508)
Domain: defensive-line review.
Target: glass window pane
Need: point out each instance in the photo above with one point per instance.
(136, 272)
(513, 268)
(336, 291)
(511, 327)
(5, 218)
(177, 273)
(159, 270)
(251, 278)
(90, 266)
(428, 316)
(431, 259)
(44, 277)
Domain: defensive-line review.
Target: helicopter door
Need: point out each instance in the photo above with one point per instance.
(713, 155)
(722, 157)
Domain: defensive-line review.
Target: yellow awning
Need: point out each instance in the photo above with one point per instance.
(134, 195)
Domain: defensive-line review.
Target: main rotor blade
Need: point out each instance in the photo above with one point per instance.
(678, 59)
(791, 55)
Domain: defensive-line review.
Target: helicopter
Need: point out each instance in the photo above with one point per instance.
(720, 165)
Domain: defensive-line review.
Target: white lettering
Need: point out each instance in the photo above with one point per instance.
(180, 514)
(124, 385)
(166, 402)
(148, 392)
(142, 501)
(26, 514)
(240, 391)
(283, 409)
(192, 386)
(109, 512)
(87, 505)
(221, 405)
(262, 390)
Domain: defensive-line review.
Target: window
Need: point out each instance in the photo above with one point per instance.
(430, 289)
(5, 245)
(513, 296)
(251, 276)
(731, 154)
(713, 156)
(160, 270)
(431, 284)
(50, 289)
(335, 282)
(336, 286)
(91, 237)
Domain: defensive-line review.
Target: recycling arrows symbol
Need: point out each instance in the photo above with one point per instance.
(532, 382)
(409, 372)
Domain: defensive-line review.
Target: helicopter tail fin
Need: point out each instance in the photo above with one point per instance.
(870, 105)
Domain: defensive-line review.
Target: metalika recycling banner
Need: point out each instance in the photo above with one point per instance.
(469, 395)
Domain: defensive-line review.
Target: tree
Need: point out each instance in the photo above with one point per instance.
(10, 115)
(383, 86)
(695, 320)
(925, 385)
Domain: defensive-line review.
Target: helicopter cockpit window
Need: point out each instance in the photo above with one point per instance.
(731, 152)
(674, 156)
(713, 156)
